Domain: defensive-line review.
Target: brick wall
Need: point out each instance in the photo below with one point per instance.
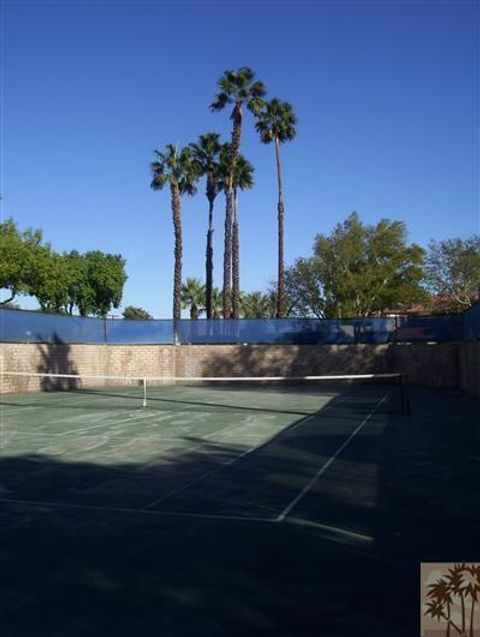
(95, 360)
(278, 360)
(431, 364)
(438, 365)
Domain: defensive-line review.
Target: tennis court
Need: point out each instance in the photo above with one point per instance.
(232, 508)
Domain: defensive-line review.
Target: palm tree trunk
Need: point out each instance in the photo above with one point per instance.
(235, 261)
(209, 263)
(281, 213)
(177, 228)
(472, 612)
(227, 259)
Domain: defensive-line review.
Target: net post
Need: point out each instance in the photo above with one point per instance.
(144, 382)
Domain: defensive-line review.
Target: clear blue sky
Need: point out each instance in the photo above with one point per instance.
(387, 96)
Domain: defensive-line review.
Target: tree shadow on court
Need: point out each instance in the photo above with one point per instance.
(55, 358)
(90, 547)
(295, 360)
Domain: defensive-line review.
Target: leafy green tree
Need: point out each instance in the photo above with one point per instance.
(290, 298)
(19, 252)
(136, 314)
(79, 288)
(50, 281)
(304, 288)
(206, 157)
(10, 306)
(240, 89)
(276, 123)
(359, 270)
(193, 297)
(93, 282)
(106, 277)
(243, 180)
(453, 272)
(176, 168)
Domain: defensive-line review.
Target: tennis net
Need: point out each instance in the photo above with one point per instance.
(144, 391)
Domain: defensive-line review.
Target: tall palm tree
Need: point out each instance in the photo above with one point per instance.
(240, 89)
(276, 123)
(193, 297)
(242, 179)
(205, 155)
(175, 167)
(456, 585)
(472, 588)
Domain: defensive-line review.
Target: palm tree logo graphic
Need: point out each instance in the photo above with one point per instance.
(453, 598)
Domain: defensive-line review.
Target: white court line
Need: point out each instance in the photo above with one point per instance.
(280, 518)
(17, 408)
(112, 424)
(227, 464)
(93, 507)
(334, 530)
(330, 461)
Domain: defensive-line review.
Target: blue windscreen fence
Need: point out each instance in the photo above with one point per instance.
(430, 328)
(39, 327)
(22, 326)
(286, 331)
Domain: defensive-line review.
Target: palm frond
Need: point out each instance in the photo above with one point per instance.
(221, 100)
(239, 87)
(276, 120)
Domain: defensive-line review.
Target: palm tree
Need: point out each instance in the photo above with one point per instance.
(254, 305)
(217, 303)
(176, 168)
(456, 585)
(238, 88)
(243, 179)
(205, 155)
(276, 122)
(440, 592)
(472, 588)
(193, 296)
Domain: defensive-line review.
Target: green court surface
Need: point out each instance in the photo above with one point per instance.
(220, 510)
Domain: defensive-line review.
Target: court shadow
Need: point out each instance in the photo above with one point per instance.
(101, 546)
(55, 358)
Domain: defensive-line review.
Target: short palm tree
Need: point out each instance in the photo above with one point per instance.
(217, 303)
(175, 167)
(440, 593)
(205, 155)
(243, 180)
(255, 305)
(193, 297)
(240, 89)
(276, 123)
